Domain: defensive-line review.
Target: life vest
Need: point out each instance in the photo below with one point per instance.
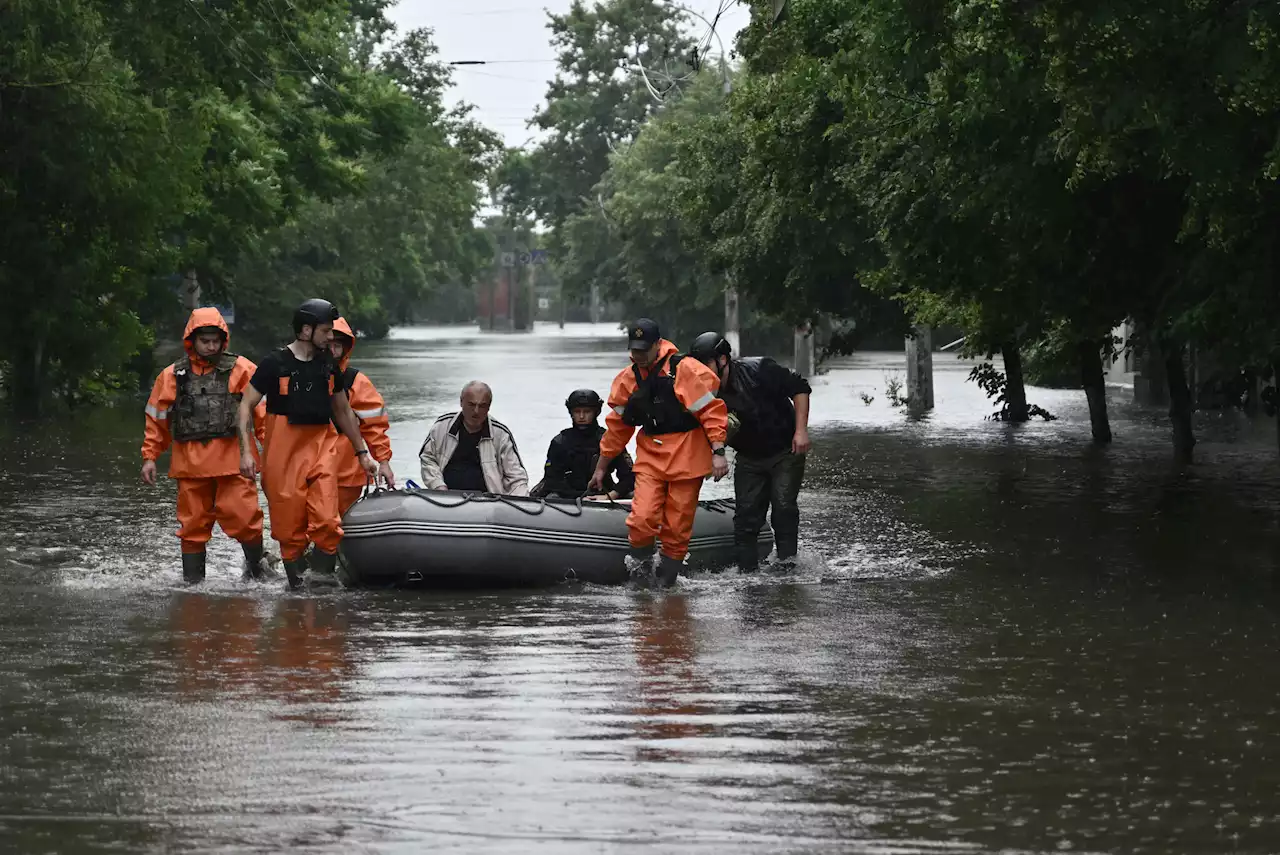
(304, 390)
(582, 452)
(349, 375)
(205, 407)
(583, 457)
(653, 406)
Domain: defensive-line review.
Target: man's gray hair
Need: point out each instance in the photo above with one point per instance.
(476, 384)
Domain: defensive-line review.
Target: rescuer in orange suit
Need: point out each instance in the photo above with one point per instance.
(371, 410)
(303, 388)
(193, 406)
(673, 401)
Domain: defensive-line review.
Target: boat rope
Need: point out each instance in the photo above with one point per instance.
(719, 506)
(517, 502)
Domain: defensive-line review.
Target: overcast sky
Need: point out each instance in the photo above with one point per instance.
(512, 35)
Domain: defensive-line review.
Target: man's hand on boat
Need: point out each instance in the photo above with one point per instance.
(596, 485)
(389, 476)
(719, 465)
(368, 464)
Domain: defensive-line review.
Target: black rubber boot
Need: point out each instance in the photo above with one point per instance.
(786, 554)
(295, 570)
(748, 557)
(640, 561)
(193, 567)
(668, 571)
(255, 567)
(324, 568)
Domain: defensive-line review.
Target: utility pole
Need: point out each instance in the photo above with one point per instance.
(563, 306)
(803, 354)
(920, 369)
(731, 320)
(191, 290)
(512, 285)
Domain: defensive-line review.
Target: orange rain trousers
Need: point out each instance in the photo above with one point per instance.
(666, 508)
(347, 495)
(302, 487)
(231, 500)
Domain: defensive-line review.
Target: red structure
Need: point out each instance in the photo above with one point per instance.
(493, 303)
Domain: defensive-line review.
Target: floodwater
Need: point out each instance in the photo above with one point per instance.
(999, 640)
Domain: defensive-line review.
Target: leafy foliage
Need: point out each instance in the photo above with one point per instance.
(269, 147)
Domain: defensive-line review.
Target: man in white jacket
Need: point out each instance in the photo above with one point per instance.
(467, 450)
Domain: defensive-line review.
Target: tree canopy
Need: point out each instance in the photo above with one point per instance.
(270, 149)
(1032, 173)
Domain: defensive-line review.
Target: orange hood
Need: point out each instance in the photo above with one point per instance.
(205, 317)
(341, 326)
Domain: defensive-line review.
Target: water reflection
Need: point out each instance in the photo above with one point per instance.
(224, 647)
(214, 642)
(305, 661)
(666, 653)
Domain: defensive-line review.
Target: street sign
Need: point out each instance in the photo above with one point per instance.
(539, 256)
(508, 259)
(524, 258)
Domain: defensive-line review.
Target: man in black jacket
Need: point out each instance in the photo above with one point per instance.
(770, 405)
(572, 455)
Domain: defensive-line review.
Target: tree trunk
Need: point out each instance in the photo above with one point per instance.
(1184, 440)
(1275, 378)
(27, 381)
(1095, 389)
(1251, 388)
(1015, 394)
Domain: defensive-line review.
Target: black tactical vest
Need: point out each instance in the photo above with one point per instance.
(304, 391)
(349, 375)
(583, 454)
(653, 406)
(205, 407)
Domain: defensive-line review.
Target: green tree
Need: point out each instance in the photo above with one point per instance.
(405, 230)
(597, 103)
(1192, 112)
(271, 148)
(91, 173)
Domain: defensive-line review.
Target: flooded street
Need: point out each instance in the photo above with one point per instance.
(999, 640)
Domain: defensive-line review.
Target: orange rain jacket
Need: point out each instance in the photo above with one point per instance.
(217, 457)
(677, 456)
(371, 411)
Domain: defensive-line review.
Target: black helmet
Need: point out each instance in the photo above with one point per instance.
(313, 313)
(709, 345)
(583, 398)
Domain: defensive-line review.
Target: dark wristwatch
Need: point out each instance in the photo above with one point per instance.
(718, 452)
(362, 451)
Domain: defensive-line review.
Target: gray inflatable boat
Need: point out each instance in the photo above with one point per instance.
(397, 537)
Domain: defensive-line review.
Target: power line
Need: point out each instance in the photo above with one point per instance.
(470, 70)
(191, 4)
(461, 62)
(715, 22)
(294, 45)
(484, 12)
